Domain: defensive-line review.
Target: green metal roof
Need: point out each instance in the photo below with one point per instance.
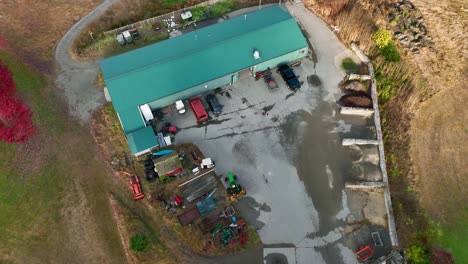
(156, 71)
(142, 139)
(164, 68)
(131, 119)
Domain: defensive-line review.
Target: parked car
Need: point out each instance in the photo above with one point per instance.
(127, 36)
(156, 26)
(194, 155)
(136, 187)
(121, 40)
(198, 109)
(180, 107)
(135, 34)
(289, 77)
(214, 104)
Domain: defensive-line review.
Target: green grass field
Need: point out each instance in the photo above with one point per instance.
(33, 227)
(454, 238)
(24, 201)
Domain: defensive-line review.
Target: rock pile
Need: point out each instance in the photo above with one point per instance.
(407, 25)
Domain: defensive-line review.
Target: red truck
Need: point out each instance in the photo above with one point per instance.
(198, 109)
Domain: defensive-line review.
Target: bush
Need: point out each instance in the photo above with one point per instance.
(418, 254)
(139, 243)
(381, 37)
(390, 52)
(349, 65)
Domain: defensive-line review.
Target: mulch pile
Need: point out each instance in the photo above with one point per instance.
(351, 100)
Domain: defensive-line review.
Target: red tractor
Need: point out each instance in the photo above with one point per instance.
(136, 186)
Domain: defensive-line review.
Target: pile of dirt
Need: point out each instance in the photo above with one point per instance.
(351, 100)
(353, 86)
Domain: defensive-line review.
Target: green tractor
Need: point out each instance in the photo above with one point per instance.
(234, 190)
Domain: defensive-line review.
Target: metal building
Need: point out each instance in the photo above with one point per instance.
(197, 62)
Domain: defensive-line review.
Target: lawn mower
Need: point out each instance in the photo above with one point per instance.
(234, 190)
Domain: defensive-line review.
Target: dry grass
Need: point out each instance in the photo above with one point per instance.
(32, 28)
(128, 225)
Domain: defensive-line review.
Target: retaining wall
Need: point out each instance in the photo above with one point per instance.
(383, 167)
(356, 111)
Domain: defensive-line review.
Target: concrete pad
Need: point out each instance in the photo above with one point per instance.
(309, 255)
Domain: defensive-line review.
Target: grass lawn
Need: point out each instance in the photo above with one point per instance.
(25, 204)
(55, 195)
(454, 238)
(107, 46)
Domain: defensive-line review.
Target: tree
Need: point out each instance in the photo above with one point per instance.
(138, 243)
(7, 84)
(15, 120)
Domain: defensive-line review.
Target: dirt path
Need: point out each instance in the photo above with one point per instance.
(119, 221)
(77, 80)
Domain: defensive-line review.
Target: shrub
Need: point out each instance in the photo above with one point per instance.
(349, 65)
(15, 120)
(418, 254)
(139, 243)
(7, 84)
(390, 52)
(381, 37)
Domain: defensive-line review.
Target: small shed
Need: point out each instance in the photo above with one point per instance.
(168, 165)
(142, 141)
(187, 217)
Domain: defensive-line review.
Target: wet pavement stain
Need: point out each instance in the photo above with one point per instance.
(242, 133)
(314, 80)
(251, 212)
(226, 128)
(241, 109)
(243, 151)
(206, 123)
(312, 149)
(276, 258)
(264, 207)
(268, 108)
(289, 96)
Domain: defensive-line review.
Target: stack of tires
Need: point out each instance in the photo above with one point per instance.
(150, 174)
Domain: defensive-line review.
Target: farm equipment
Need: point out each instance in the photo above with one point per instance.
(268, 78)
(136, 186)
(234, 190)
(365, 253)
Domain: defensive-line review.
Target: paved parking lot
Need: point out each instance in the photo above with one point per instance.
(291, 162)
